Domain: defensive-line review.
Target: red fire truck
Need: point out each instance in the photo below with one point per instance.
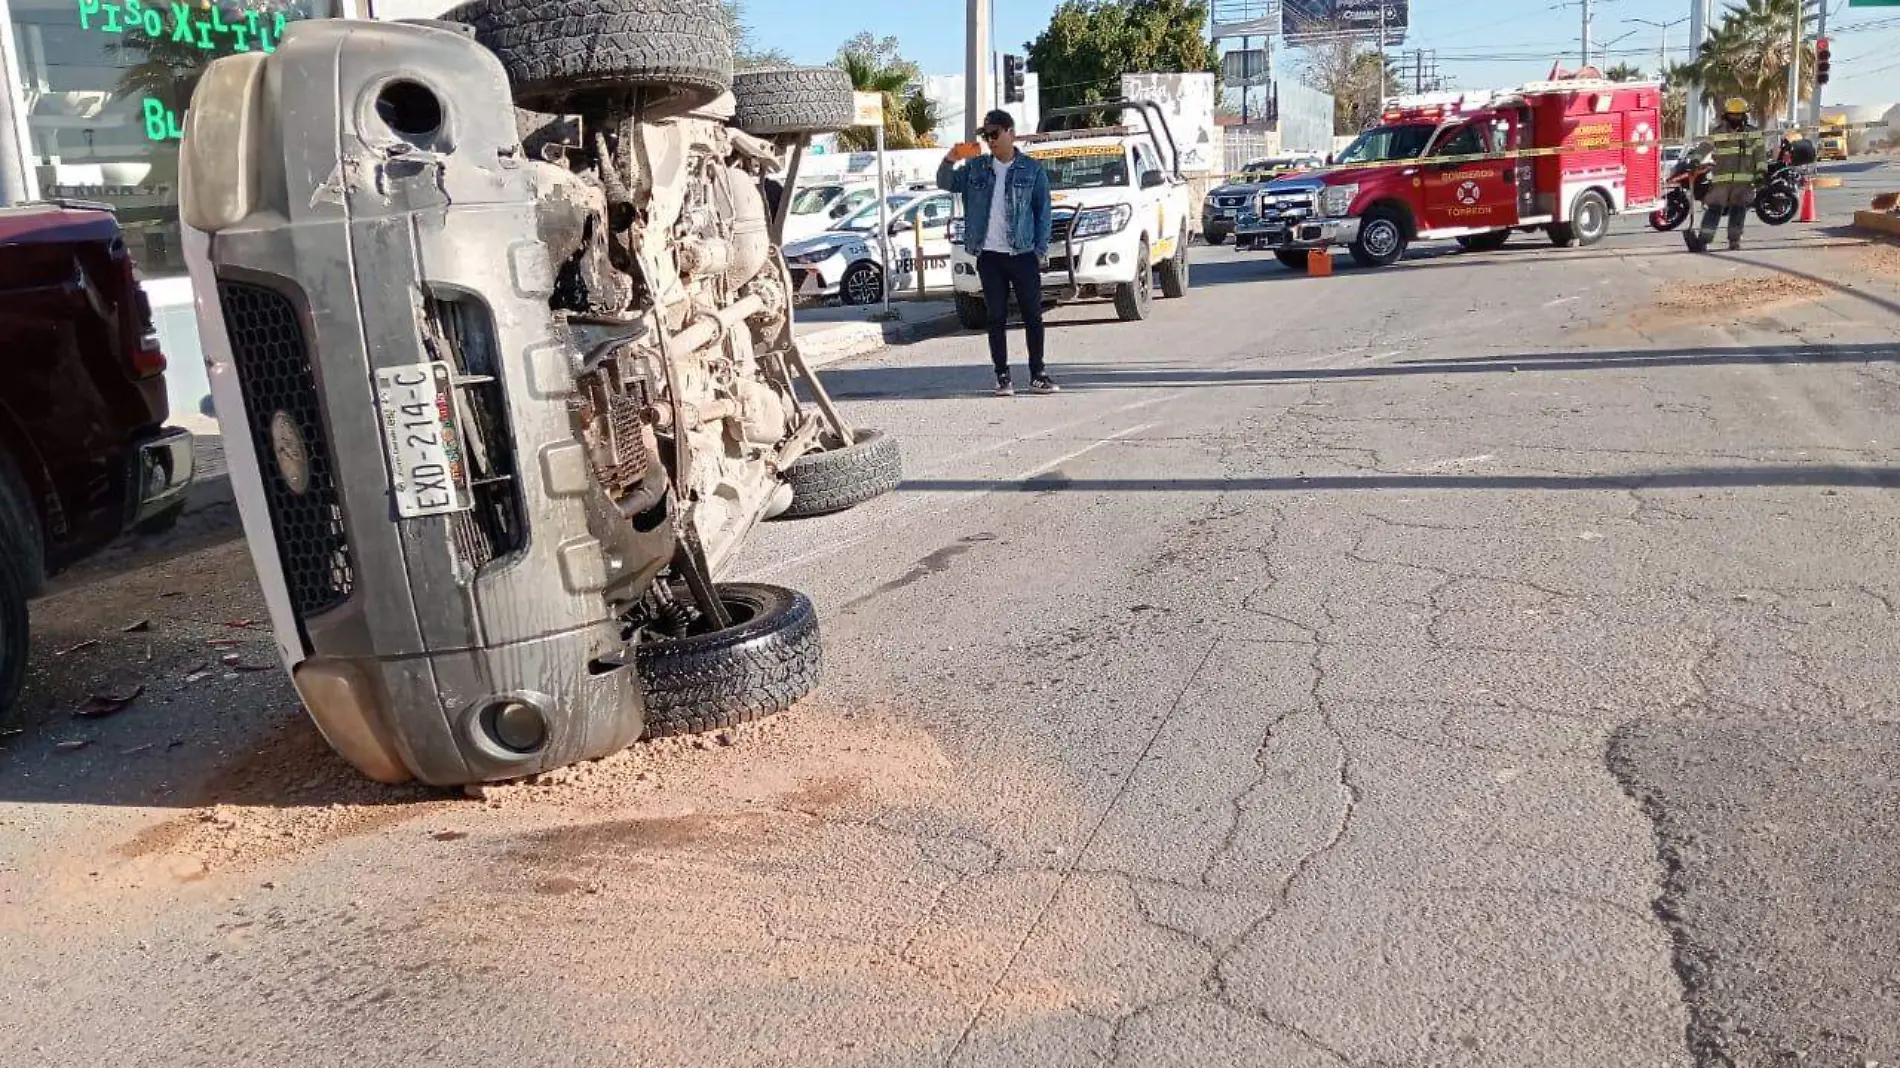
(1561, 156)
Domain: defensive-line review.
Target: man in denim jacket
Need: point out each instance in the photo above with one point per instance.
(1007, 230)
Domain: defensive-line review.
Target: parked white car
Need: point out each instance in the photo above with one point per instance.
(820, 206)
(846, 262)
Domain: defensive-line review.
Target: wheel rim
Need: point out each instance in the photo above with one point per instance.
(862, 287)
(1381, 238)
(1589, 218)
(1144, 275)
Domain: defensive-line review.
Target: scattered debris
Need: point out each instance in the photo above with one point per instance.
(89, 643)
(224, 643)
(231, 660)
(449, 836)
(101, 705)
(73, 746)
(726, 738)
(138, 749)
(140, 627)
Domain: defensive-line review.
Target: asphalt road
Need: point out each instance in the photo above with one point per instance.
(1487, 661)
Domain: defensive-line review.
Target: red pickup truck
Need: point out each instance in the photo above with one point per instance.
(85, 454)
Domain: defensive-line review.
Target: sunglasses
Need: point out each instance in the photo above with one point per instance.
(990, 134)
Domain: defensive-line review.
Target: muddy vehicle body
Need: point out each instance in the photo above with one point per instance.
(514, 403)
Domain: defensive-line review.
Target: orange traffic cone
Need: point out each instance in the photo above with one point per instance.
(1808, 214)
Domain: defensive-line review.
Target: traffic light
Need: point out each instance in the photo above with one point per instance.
(1820, 61)
(1012, 79)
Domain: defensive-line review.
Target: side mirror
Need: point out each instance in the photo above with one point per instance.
(1152, 179)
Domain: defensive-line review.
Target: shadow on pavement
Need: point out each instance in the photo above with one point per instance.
(1762, 476)
(946, 382)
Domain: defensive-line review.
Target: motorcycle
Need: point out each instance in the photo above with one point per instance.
(1688, 183)
(1778, 198)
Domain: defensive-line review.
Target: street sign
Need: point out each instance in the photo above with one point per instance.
(1310, 20)
(867, 109)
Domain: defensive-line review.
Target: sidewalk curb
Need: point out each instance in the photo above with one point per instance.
(844, 341)
(1877, 222)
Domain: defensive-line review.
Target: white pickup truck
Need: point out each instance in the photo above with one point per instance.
(1122, 213)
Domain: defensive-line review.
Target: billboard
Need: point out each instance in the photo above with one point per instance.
(1187, 103)
(1306, 20)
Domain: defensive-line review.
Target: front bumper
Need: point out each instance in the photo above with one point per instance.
(1304, 233)
(1075, 265)
(162, 470)
(1219, 221)
(818, 281)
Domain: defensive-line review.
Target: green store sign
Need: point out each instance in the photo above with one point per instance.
(186, 36)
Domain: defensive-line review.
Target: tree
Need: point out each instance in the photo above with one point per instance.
(877, 66)
(1675, 104)
(746, 55)
(1623, 72)
(1089, 44)
(1350, 72)
(924, 116)
(1747, 55)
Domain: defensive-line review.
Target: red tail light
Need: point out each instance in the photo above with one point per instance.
(147, 357)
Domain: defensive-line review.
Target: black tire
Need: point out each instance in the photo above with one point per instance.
(766, 662)
(1673, 213)
(973, 313)
(22, 569)
(1490, 242)
(1561, 234)
(1214, 237)
(836, 479)
(568, 56)
(1177, 272)
(862, 284)
(1777, 206)
(14, 641)
(1382, 239)
(1135, 300)
(792, 100)
(1293, 259)
(1589, 218)
(22, 545)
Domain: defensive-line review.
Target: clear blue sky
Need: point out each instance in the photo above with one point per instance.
(1866, 63)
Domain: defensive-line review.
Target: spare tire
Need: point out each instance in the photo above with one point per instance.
(568, 56)
(766, 662)
(792, 100)
(834, 479)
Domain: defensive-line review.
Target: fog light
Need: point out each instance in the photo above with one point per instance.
(517, 727)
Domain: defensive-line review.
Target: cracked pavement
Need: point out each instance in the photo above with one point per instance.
(1504, 678)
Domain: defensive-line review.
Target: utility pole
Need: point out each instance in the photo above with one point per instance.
(1696, 122)
(1586, 32)
(1382, 84)
(1820, 34)
(1794, 66)
(976, 67)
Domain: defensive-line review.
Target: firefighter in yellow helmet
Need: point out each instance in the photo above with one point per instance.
(1739, 149)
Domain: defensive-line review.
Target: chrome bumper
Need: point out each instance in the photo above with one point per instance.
(1300, 233)
(162, 469)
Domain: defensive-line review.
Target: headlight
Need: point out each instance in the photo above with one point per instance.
(808, 258)
(1101, 222)
(1210, 200)
(1336, 202)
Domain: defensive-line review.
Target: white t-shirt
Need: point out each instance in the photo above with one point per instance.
(997, 239)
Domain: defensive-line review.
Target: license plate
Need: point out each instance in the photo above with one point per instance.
(1224, 213)
(427, 473)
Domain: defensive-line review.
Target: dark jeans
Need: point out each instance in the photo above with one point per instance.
(1737, 218)
(999, 274)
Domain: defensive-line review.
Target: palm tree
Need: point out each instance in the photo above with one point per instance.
(1623, 72)
(923, 116)
(1747, 55)
(893, 83)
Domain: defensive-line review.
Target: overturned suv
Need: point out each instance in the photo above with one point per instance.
(513, 408)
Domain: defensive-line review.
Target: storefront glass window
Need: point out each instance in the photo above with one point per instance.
(105, 85)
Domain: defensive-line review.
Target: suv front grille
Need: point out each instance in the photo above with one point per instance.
(293, 450)
(461, 333)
